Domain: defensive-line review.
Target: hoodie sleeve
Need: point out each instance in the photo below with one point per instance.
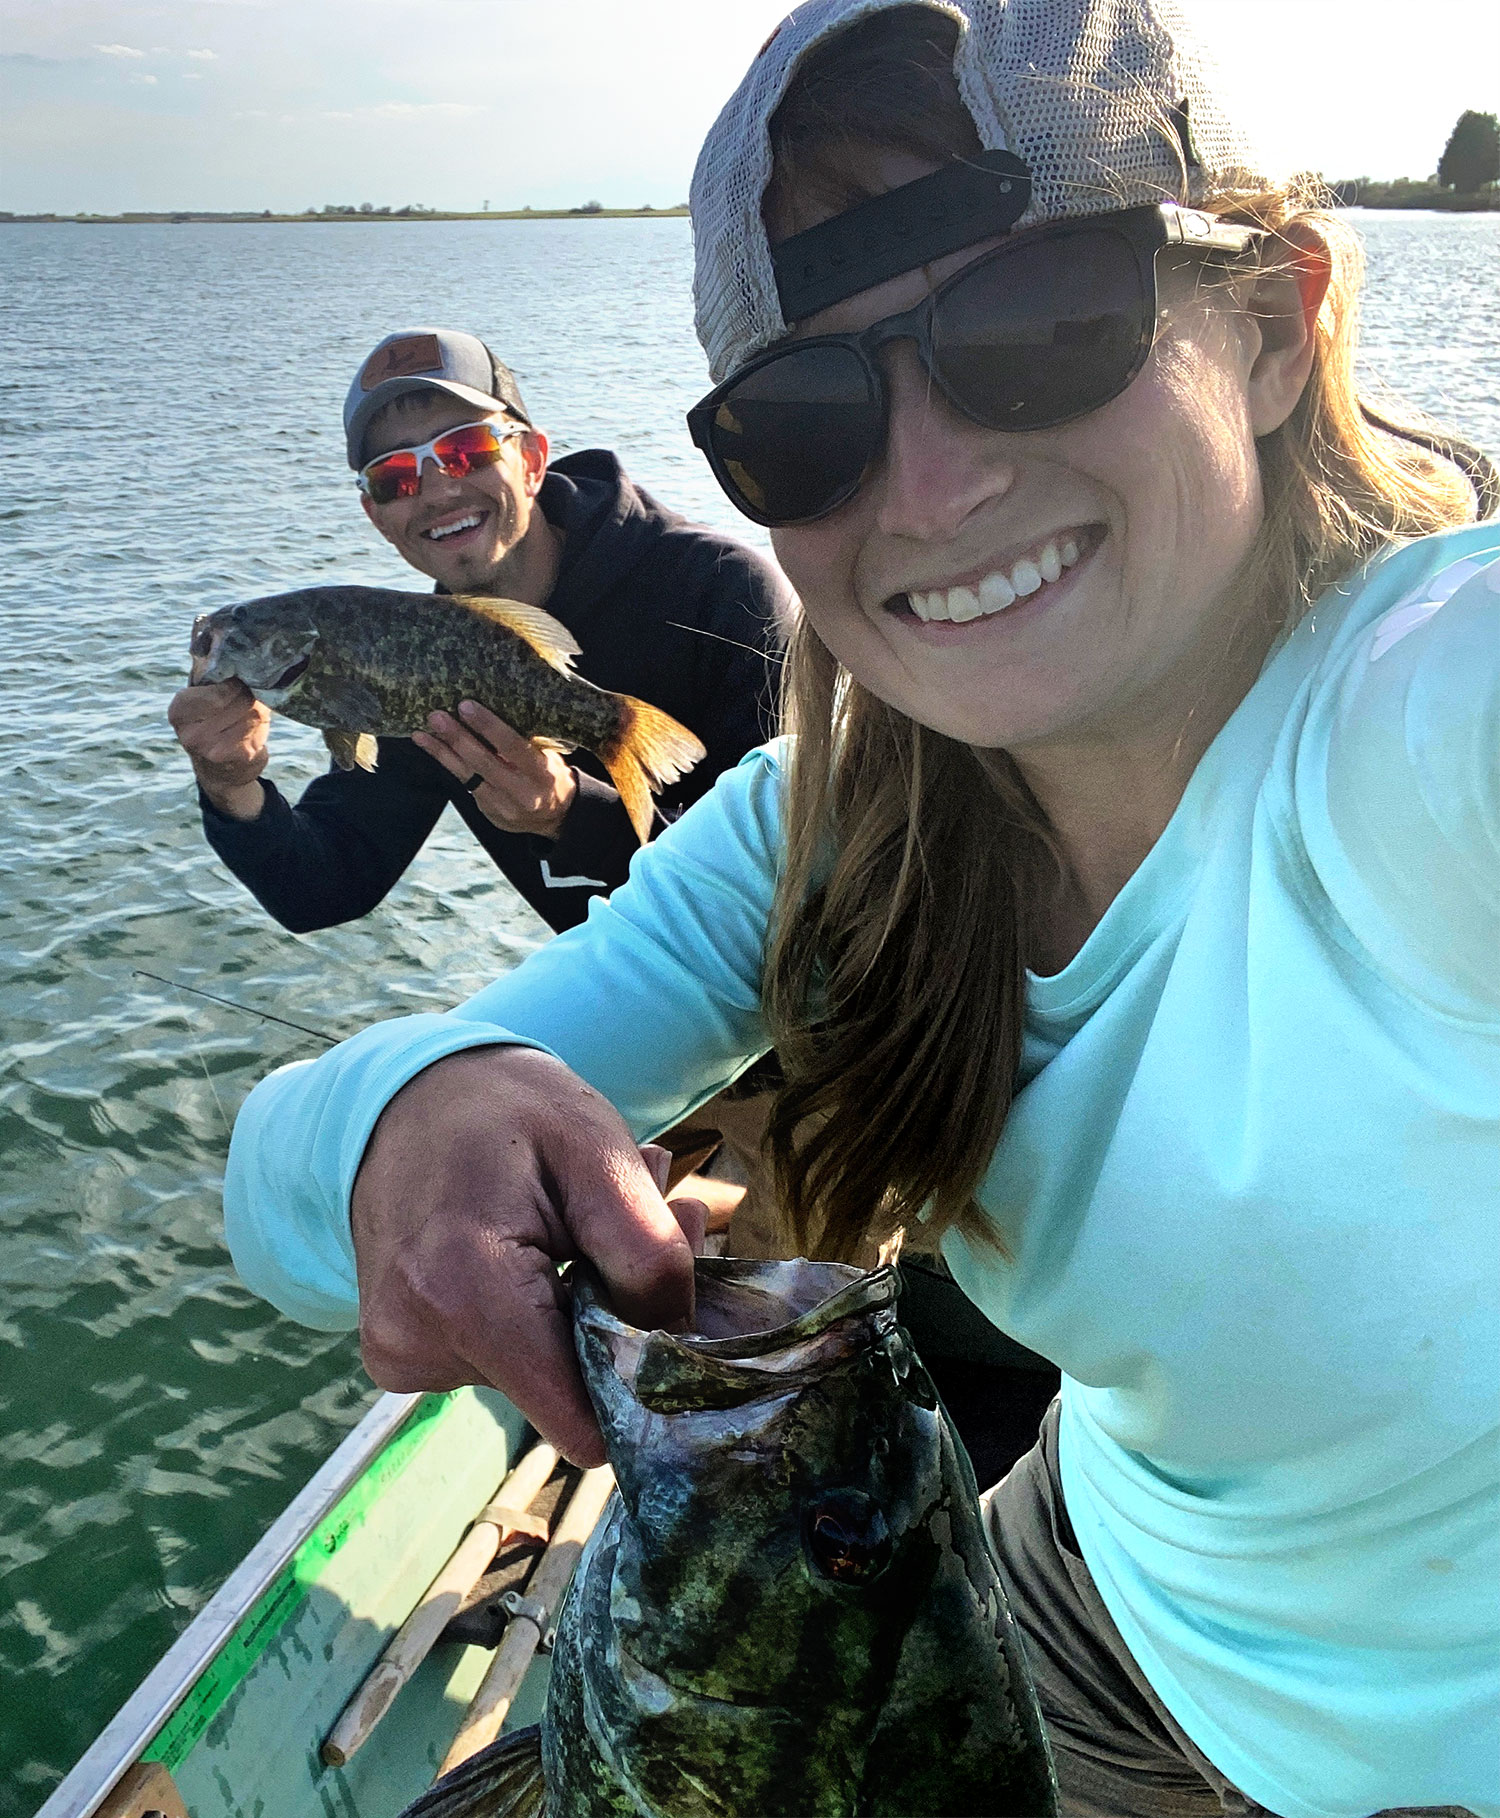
(654, 1000)
(335, 855)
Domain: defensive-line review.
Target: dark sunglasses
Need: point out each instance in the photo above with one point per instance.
(1045, 328)
(398, 475)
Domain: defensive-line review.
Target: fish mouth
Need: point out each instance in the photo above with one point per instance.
(288, 676)
(764, 1328)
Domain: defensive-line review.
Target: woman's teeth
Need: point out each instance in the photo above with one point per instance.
(439, 531)
(997, 591)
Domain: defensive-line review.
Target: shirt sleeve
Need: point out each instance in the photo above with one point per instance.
(1399, 789)
(654, 1000)
(335, 855)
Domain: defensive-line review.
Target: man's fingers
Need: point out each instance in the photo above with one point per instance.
(506, 743)
(458, 753)
(216, 703)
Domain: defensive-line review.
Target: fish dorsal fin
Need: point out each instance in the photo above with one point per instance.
(550, 639)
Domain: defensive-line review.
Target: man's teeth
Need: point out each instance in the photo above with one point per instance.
(439, 531)
(997, 591)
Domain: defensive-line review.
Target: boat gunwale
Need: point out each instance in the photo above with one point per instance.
(92, 1778)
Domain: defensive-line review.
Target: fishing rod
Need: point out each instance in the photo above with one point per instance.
(230, 1004)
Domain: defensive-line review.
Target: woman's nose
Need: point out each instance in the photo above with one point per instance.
(939, 467)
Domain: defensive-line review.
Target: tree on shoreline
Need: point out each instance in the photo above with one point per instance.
(1471, 158)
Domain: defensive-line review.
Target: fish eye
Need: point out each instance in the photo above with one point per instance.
(203, 641)
(847, 1537)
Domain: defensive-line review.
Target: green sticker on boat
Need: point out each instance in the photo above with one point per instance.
(285, 1594)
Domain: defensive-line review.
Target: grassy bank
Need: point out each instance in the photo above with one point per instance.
(1407, 192)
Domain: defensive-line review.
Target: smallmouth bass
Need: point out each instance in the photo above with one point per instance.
(790, 1608)
(360, 661)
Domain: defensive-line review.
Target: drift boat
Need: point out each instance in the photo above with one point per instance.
(308, 1686)
(313, 1685)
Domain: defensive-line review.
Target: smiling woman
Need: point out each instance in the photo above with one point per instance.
(1123, 908)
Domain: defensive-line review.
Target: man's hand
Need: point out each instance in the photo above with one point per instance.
(520, 789)
(484, 1173)
(223, 729)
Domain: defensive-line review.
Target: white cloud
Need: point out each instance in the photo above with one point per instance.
(399, 110)
(204, 56)
(405, 110)
(145, 81)
(118, 50)
(192, 75)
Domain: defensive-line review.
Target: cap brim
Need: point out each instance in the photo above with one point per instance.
(354, 430)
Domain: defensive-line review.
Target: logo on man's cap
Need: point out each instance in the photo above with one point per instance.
(403, 359)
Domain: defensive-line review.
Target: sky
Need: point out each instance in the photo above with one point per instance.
(111, 105)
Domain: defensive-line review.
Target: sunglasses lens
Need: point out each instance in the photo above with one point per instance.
(1045, 332)
(463, 449)
(394, 477)
(794, 437)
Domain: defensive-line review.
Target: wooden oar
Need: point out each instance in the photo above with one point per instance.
(495, 1523)
(534, 1614)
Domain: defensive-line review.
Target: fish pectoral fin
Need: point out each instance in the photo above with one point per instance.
(351, 748)
(548, 637)
(501, 1781)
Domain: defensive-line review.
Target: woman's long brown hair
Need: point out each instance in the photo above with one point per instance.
(895, 981)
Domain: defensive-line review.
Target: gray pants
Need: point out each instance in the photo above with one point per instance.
(1118, 1752)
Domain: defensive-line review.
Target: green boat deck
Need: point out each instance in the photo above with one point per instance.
(237, 1710)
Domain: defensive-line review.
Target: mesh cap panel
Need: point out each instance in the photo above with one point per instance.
(1090, 93)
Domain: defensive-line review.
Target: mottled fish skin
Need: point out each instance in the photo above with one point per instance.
(791, 1606)
(380, 661)
(359, 662)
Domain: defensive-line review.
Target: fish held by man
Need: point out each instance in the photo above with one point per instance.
(790, 1606)
(360, 661)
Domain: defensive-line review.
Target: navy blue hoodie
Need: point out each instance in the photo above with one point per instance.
(663, 609)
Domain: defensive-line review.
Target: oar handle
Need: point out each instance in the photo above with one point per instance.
(495, 1523)
(491, 1704)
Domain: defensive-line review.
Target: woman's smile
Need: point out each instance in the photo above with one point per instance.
(1016, 587)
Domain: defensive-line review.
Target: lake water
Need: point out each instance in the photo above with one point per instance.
(169, 414)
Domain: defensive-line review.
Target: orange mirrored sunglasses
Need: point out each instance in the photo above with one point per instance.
(458, 452)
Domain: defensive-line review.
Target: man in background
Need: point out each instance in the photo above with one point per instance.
(455, 476)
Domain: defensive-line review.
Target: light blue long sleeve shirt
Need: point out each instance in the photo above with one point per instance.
(1250, 1184)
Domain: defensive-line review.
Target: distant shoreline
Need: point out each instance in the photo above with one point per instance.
(1419, 197)
(194, 216)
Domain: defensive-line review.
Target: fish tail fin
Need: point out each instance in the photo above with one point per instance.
(647, 750)
(504, 1780)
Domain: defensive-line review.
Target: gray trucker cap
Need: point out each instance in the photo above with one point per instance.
(1103, 104)
(427, 359)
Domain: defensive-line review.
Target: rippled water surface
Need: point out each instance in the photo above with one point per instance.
(169, 414)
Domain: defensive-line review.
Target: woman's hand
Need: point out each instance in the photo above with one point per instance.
(518, 787)
(224, 729)
(484, 1173)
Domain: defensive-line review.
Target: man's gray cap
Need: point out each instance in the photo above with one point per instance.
(1110, 104)
(427, 359)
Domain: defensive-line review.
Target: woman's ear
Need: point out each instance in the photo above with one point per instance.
(1285, 303)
